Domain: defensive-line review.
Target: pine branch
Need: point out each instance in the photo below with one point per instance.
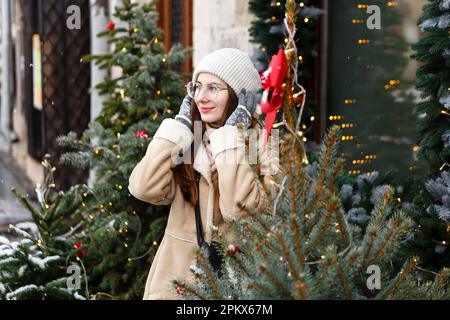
(298, 245)
(399, 280)
(286, 253)
(368, 248)
(302, 290)
(398, 224)
(343, 227)
(343, 281)
(210, 276)
(322, 227)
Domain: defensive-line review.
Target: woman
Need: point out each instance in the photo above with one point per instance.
(221, 98)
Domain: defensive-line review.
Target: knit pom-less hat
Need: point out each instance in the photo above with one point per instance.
(232, 66)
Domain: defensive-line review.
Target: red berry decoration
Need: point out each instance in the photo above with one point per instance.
(141, 134)
(111, 25)
(144, 134)
(78, 245)
(179, 290)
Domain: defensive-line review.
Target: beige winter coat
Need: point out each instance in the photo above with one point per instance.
(152, 180)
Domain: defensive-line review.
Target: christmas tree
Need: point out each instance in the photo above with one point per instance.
(301, 246)
(37, 265)
(359, 194)
(120, 233)
(433, 81)
(149, 83)
(429, 208)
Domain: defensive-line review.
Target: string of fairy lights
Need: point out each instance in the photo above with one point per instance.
(158, 92)
(122, 231)
(390, 85)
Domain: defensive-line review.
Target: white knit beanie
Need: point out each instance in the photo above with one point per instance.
(232, 66)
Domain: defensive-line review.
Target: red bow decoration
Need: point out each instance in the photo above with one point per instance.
(272, 81)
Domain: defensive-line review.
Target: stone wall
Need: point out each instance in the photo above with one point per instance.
(218, 25)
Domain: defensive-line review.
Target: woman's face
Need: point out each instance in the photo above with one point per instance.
(211, 108)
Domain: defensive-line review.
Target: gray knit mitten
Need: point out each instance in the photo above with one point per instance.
(246, 106)
(184, 115)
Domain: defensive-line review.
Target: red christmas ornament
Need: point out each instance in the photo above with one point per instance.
(111, 25)
(272, 82)
(232, 249)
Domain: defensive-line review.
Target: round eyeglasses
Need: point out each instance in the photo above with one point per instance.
(211, 90)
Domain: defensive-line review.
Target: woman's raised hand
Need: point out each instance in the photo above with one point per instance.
(184, 115)
(246, 106)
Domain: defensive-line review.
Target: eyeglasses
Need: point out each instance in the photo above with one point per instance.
(211, 90)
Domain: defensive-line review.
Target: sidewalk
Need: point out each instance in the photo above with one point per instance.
(11, 210)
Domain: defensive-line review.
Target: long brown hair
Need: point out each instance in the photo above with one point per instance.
(184, 172)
